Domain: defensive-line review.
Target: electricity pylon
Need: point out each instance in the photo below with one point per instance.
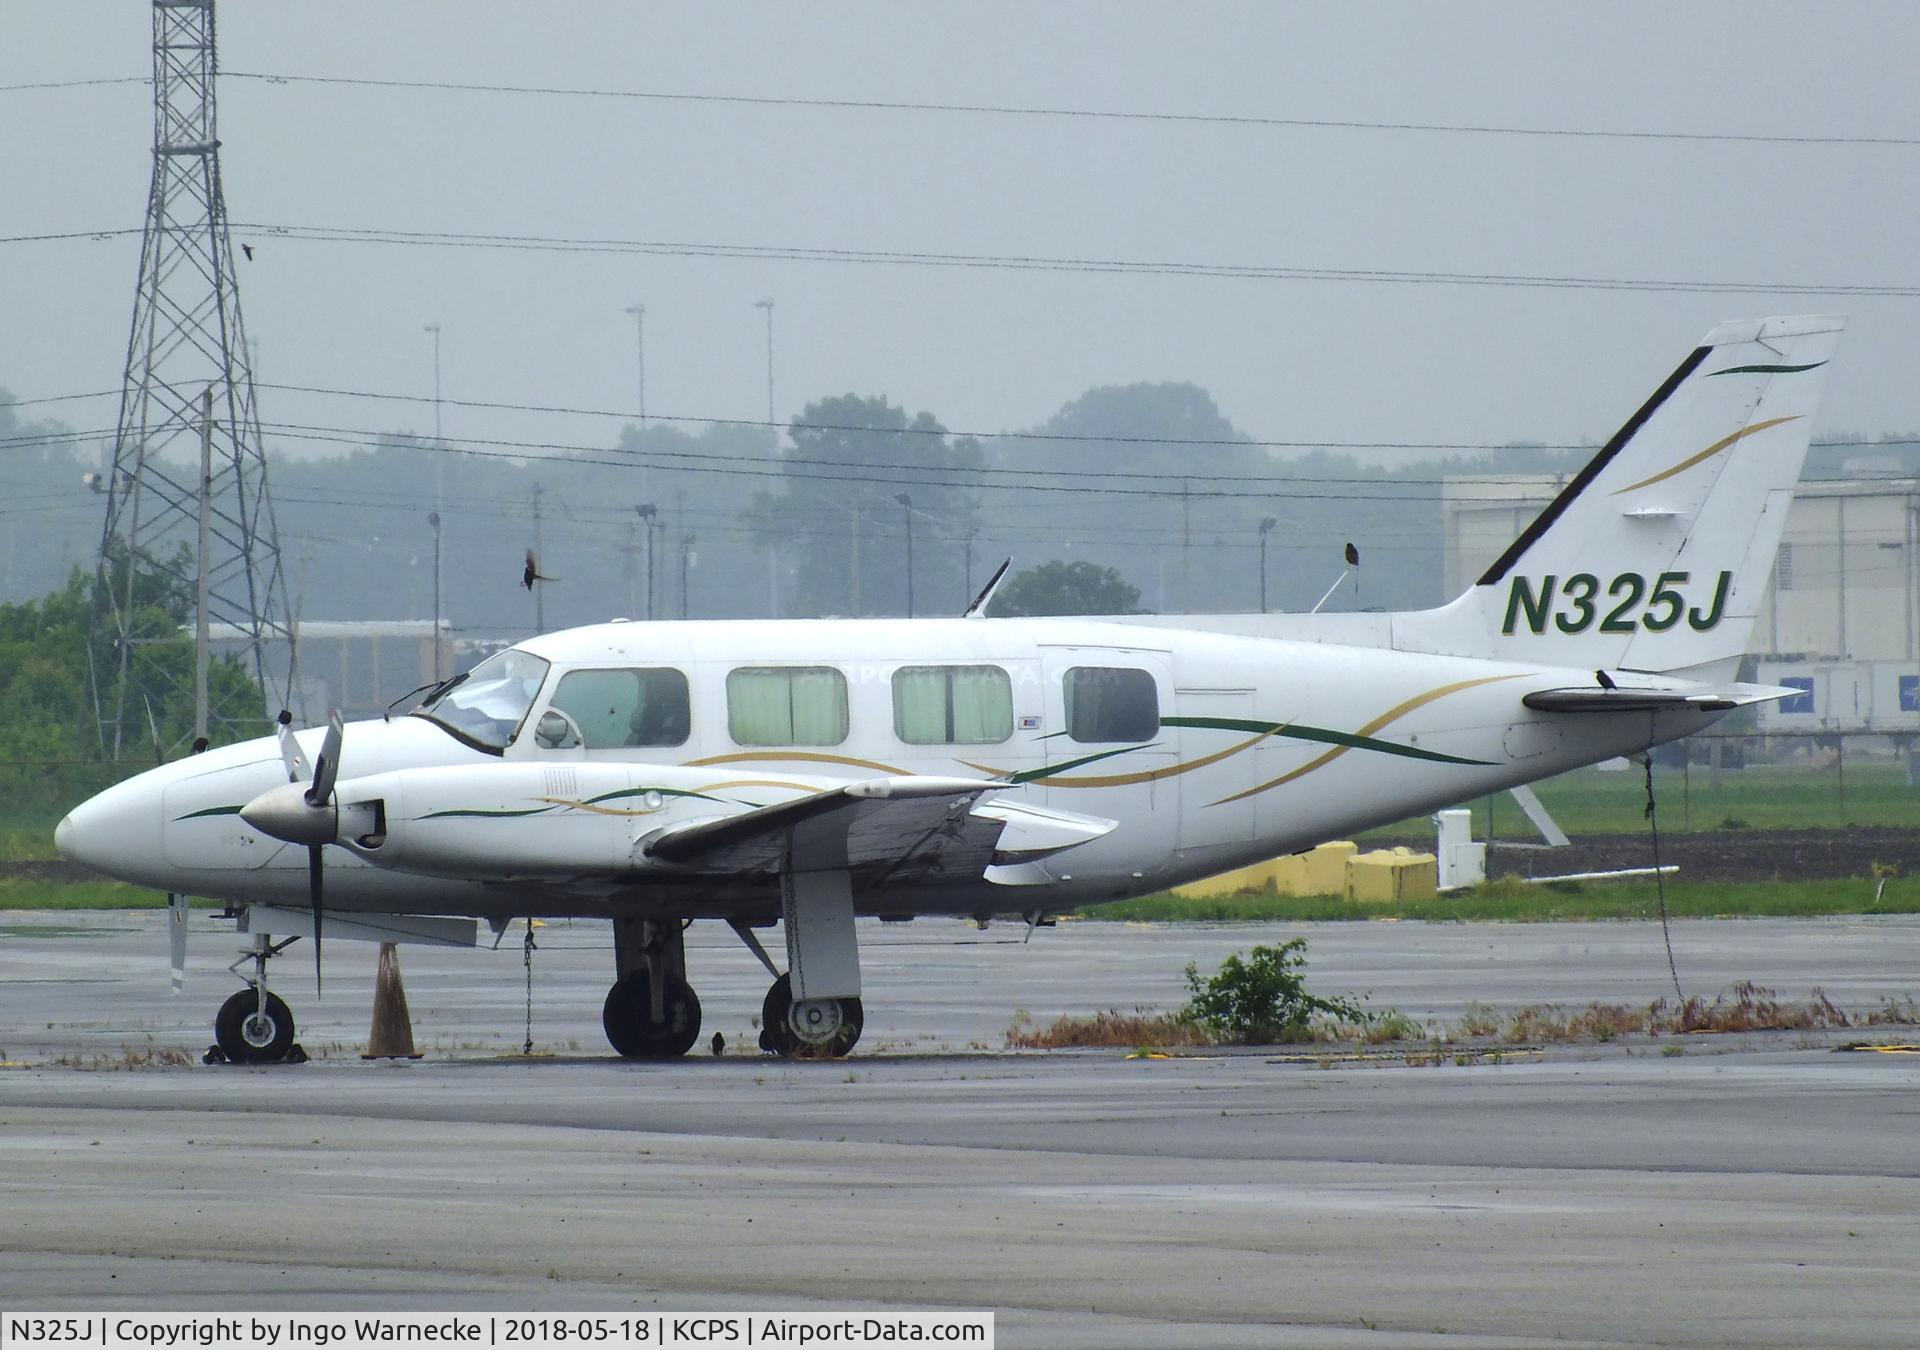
(169, 535)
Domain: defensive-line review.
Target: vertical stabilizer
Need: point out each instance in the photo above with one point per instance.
(1656, 556)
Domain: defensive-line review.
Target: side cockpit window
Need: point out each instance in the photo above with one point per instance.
(619, 709)
(486, 706)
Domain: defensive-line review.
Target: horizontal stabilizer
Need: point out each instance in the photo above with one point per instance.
(1691, 697)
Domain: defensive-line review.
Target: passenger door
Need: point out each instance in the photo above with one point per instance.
(1109, 754)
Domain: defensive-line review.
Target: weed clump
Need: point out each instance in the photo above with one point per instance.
(1143, 1027)
(1263, 999)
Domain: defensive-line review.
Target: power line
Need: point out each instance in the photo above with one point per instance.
(782, 464)
(912, 475)
(1016, 262)
(11, 402)
(781, 467)
(1082, 114)
(76, 84)
(1078, 438)
(69, 234)
(1043, 263)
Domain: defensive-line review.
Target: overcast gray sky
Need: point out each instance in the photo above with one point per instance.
(982, 348)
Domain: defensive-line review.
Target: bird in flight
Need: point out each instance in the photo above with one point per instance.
(248, 250)
(532, 572)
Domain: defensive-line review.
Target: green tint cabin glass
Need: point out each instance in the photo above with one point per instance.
(619, 708)
(1111, 703)
(786, 705)
(952, 705)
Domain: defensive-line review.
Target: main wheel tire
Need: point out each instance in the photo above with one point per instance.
(779, 1035)
(248, 1035)
(628, 1018)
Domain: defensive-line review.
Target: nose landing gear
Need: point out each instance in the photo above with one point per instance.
(255, 1026)
(651, 1012)
(640, 1026)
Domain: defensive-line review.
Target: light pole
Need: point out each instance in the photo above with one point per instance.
(906, 515)
(434, 329)
(686, 561)
(433, 519)
(646, 512)
(767, 305)
(1266, 528)
(639, 313)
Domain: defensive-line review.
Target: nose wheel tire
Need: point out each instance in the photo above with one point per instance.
(821, 1028)
(629, 1021)
(248, 1033)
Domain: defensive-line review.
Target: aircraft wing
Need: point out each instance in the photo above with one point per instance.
(904, 828)
(1654, 698)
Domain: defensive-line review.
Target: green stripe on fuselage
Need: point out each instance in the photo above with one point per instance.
(1297, 731)
(210, 811)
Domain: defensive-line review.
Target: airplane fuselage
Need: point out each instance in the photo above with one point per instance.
(1213, 750)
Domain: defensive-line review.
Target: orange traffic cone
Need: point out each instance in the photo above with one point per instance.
(392, 1033)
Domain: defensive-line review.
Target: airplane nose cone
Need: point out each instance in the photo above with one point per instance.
(85, 836)
(116, 834)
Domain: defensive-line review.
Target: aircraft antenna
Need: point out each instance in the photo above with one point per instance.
(978, 609)
(187, 339)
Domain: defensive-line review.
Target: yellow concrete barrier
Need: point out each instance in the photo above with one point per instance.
(1392, 874)
(1255, 878)
(1327, 868)
(1318, 871)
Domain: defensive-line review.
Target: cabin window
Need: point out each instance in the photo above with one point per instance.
(1111, 703)
(952, 705)
(787, 705)
(619, 708)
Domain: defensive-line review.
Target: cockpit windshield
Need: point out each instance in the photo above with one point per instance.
(485, 706)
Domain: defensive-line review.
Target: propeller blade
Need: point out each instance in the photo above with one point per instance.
(298, 769)
(316, 869)
(327, 768)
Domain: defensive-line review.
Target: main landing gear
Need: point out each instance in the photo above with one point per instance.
(815, 1028)
(255, 1026)
(819, 1028)
(651, 1011)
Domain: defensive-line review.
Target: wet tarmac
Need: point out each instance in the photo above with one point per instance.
(1759, 1189)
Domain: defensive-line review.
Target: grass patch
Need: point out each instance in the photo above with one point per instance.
(1111, 1029)
(1742, 1007)
(32, 893)
(1510, 900)
(132, 1057)
(27, 839)
(1760, 797)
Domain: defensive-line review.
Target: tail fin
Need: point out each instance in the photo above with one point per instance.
(1656, 556)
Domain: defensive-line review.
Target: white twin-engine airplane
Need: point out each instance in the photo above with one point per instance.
(816, 771)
